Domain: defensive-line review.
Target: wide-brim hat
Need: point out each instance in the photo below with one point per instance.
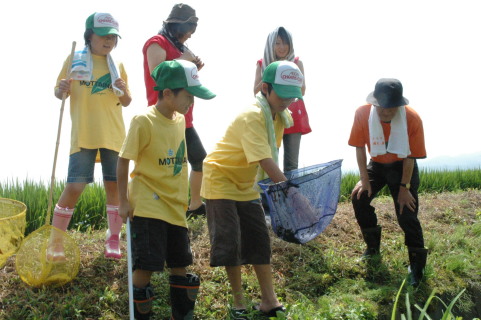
(182, 13)
(175, 74)
(102, 24)
(388, 93)
(286, 79)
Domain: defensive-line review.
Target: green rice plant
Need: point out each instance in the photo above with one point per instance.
(432, 181)
(447, 313)
(89, 212)
(90, 209)
(449, 180)
(348, 182)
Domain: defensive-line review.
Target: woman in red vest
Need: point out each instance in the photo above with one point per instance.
(169, 45)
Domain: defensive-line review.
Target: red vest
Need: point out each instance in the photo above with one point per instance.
(172, 53)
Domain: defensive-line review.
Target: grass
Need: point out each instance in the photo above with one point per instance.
(90, 207)
(323, 279)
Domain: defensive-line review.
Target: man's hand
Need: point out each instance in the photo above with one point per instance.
(360, 187)
(405, 198)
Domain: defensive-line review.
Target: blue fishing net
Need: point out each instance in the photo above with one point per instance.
(304, 205)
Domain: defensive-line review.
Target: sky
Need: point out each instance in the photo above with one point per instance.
(345, 45)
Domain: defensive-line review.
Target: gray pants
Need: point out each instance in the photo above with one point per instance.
(292, 144)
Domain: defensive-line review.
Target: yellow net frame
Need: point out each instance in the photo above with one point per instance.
(34, 264)
(12, 227)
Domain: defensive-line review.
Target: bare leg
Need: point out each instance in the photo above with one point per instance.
(111, 193)
(178, 272)
(195, 184)
(268, 298)
(71, 194)
(234, 275)
(141, 278)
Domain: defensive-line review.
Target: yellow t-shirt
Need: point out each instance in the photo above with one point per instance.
(229, 172)
(95, 110)
(159, 185)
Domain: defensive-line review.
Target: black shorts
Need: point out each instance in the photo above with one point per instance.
(156, 242)
(238, 233)
(195, 150)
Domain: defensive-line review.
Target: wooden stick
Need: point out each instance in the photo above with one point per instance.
(52, 179)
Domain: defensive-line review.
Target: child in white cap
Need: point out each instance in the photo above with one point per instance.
(247, 154)
(157, 196)
(98, 90)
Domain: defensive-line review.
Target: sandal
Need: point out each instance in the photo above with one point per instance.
(271, 313)
(200, 211)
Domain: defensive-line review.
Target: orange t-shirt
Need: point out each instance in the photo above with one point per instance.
(360, 134)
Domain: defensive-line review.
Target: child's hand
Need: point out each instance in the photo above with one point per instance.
(125, 211)
(64, 86)
(120, 83)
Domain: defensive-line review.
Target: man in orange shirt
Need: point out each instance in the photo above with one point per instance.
(393, 133)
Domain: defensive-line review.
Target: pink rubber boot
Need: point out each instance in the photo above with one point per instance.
(112, 244)
(61, 220)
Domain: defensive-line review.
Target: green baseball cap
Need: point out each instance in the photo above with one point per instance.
(286, 79)
(177, 74)
(102, 24)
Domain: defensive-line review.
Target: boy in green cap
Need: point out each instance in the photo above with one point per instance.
(246, 154)
(156, 198)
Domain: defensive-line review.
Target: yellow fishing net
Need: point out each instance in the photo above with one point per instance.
(12, 227)
(38, 266)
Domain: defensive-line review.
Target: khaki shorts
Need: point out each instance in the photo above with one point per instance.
(238, 233)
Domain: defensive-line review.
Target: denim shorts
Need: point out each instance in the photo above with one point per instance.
(238, 233)
(156, 242)
(195, 150)
(81, 165)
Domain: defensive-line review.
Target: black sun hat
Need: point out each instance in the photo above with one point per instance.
(182, 13)
(388, 93)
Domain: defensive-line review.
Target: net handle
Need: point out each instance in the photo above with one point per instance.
(129, 271)
(52, 179)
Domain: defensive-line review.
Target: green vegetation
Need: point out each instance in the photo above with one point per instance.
(432, 181)
(446, 313)
(323, 279)
(89, 210)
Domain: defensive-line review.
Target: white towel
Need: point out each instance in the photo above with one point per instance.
(398, 142)
(269, 51)
(82, 66)
(288, 122)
